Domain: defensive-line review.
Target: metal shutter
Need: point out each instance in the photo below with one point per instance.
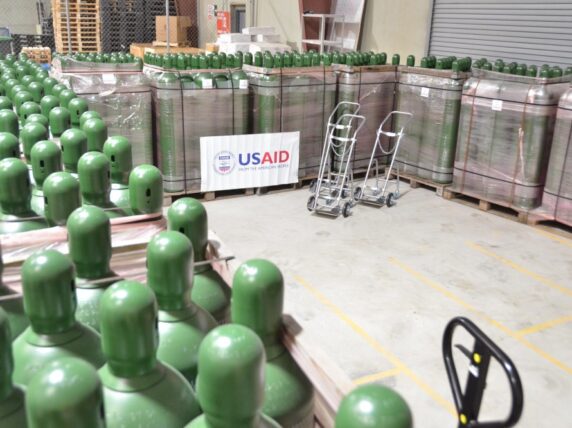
(529, 31)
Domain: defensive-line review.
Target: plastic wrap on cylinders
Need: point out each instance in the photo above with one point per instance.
(505, 132)
(374, 88)
(427, 149)
(124, 102)
(266, 99)
(557, 197)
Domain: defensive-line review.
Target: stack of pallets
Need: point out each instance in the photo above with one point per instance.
(84, 25)
(39, 54)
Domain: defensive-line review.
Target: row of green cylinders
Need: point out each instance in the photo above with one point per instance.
(109, 58)
(544, 71)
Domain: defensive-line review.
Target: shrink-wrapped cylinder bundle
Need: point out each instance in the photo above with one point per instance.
(505, 132)
(557, 197)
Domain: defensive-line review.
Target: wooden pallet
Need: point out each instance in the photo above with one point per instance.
(140, 49)
(416, 182)
(84, 25)
(39, 54)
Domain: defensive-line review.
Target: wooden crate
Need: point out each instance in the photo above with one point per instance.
(84, 25)
(38, 54)
(140, 49)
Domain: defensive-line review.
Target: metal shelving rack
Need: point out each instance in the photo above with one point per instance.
(322, 42)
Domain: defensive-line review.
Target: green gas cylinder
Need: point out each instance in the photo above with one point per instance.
(8, 85)
(67, 393)
(20, 98)
(248, 60)
(11, 303)
(138, 389)
(31, 134)
(9, 146)
(411, 61)
(395, 59)
(258, 59)
(37, 91)
(9, 122)
(16, 89)
(278, 60)
(94, 172)
(257, 303)
(90, 114)
(16, 215)
(61, 197)
(182, 324)
(56, 89)
(231, 379)
(47, 103)
(89, 240)
(189, 216)
(266, 103)
(46, 158)
(74, 145)
(5, 103)
(12, 412)
(372, 406)
(59, 118)
(49, 83)
(38, 118)
(50, 304)
(27, 109)
(118, 151)
(77, 107)
(145, 190)
(96, 132)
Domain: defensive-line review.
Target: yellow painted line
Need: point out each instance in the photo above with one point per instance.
(544, 326)
(521, 269)
(438, 398)
(452, 296)
(377, 376)
(554, 237)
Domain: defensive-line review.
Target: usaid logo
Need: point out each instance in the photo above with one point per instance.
(224, 162)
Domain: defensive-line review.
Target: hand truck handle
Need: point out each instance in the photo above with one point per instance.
(343, 122)
(352, 108)
(389, 116)
(468, 403)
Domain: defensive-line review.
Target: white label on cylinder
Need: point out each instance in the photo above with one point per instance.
(108, 78)
(208, 84)
(425, 92)
(497, 105)
(243, 84)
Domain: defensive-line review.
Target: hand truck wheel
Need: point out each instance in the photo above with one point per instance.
(310, 204)
(347, 210)
(391, 200)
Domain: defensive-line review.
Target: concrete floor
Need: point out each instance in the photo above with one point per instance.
(376, 290)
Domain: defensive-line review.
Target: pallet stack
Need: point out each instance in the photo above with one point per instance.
(39, 54)
(84, 25)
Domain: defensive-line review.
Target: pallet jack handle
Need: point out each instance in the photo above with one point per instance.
(468, 404)
(349, 108)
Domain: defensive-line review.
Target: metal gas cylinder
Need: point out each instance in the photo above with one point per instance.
(90, 114)
(9, 146)
(96, 132)
(21, 98)
(11, 302)
(231, 379)
(189, 216)
(89, 240)
(12, 411)
(38, 118)
(241, 98)
(66, 96)
(50, 303)
(182, 323)
(49, 83)
(9, 122)
(61, 197)
(373, 406)
(67, 393)
(117, 149)
(57, 89)
(138, 389)
(266, 107)
(257, 303)
(59, 118)
(8, 85)
(16, 214)
(30, 135)
(145, 190)
(77, 107)
(5, 103)
(47, 103)
(46, 158)
(27, 109)
(37, 91)
(74, 145)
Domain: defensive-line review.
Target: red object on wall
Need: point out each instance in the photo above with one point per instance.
(222, 22)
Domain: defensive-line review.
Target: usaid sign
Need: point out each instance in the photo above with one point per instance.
(246, 161)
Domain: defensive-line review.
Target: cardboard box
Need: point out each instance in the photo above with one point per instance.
(178, 27)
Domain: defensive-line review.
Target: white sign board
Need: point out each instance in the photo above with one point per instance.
(246, 161)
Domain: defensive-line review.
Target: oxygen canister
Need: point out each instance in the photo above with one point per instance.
(5, 103)
(50, 304)
(31, 134)
(74, 144)
(241, 97)
(16, 214)
(37, 91)
(118, 151)
(67, 393)
(96, 132)
(9, 146)
(12, 411)
(257, 303)
(8, 85)
(373, 406)
(61, 197)
(47, 103)
(133, 378)
(46, 158)
(90, 114)
(59, 118)
(182, 324)
(27, 109)
(49, 83)
(189, 216)
(9, 122)
(38, 118)
(57, 89)
(89, 240)
(231, 379)
(77, 107)
(11, 303)
(248, 58)
(145, 190)
(266, 108)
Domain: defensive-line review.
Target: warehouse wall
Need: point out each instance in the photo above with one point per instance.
(20, 16)
(284, 15)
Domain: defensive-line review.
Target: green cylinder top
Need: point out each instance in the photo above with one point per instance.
(9, 122)
(66, 96)
(67, 393)
(231, 376)
(56, 89)
(77, 107)
(169, 269)
(30, 135)
(258, 300)
(15, 192)
(74, 145)
(6, 358)
(189, 216)
(372, 406)
(118, 151)
(59, 120)
(5, 103)
(61, 197)
(47, 103)
(46, 158)
(27, 109)
(128, 314)
(49, 83)
(96, 132)
(146, 189)
(20, 98)
(9, 146)
(37, 91)
(89, 240)
(94, 178)
(49, 292)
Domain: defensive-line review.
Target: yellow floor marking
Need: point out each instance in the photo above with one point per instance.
(544, 326)
(438, 398)
(521, 269)
(438, 287)
(377, 376)
(562, 240)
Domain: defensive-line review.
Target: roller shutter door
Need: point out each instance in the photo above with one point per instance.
(533, 32)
